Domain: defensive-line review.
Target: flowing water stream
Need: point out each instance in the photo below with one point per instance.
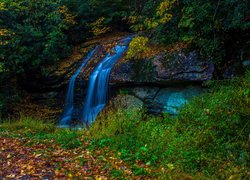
(69, 104)
(98, 84)
(97, 92)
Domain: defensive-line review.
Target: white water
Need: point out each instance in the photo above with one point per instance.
(69, 103)
(97, 93)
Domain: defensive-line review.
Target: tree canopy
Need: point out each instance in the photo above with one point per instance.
(36, 34)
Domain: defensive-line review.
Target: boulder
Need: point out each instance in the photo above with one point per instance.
(246, 63)
(172, 99)
(127, 101)
(157, 100)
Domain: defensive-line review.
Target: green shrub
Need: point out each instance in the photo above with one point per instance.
(208, 139)
(138, 48)
(210, 134)
(68, 139)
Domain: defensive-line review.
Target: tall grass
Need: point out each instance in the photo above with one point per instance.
(25, 123)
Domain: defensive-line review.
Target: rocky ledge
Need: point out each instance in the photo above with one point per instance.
(163, 69)
(164, 83)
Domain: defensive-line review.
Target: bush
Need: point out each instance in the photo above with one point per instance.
(138, 48)
(210, 134)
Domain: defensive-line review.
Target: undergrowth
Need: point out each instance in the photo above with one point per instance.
(210, 135)
(208, 139)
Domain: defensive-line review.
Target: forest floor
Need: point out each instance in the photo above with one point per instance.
(23, 157)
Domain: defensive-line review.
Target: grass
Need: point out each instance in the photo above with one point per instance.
(208, 139)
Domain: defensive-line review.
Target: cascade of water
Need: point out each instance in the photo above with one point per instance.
(97, 91)
(69, 104)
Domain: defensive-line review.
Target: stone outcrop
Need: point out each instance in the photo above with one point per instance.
(157, 100)
(163, 83)
(162, 69)
(152, 82)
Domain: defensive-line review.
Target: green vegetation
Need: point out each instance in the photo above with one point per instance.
(138, 48)
(36, 35)
(51, 27)
(209, 138)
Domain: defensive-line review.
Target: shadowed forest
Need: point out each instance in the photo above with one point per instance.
(124, 89)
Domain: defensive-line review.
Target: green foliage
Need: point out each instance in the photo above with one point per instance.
(210, 135)
(1, 67)
(208, 139)
(41, 130)
(98, 28)
(211, 25)
(138, 48)
(159, 13)
(208, 26)
(35, 35)
(68, 139)
(28, 125)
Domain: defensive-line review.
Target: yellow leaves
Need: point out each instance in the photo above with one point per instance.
(4, 32)
(98, 28)
(132, 19)
(134, 22)
(100, 178)
(138, 27)
(70, 175)
(163, 11)
(138, 48)
(2, 6)
(166, 18)
(11, 176)
(151, 23)
(67, 16)
(162, 16)
(4, 35)
(170, 166)
(164, 7)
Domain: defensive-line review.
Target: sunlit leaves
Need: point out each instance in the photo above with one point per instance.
(67, 16)
(164, 7)
(161, 15)
(98, 27)
(2, 6)
(151, 23)
(5, 35)
(138, 48)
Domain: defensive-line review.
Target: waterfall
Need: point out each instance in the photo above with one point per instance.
(69, 104)
(97, 92)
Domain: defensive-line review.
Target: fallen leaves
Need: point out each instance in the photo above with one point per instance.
(22, 158)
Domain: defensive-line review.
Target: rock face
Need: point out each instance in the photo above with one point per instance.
(164, 68)
(157, 100)
(172, 99)
(184, 68)
(155, 84)
(164, 83)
